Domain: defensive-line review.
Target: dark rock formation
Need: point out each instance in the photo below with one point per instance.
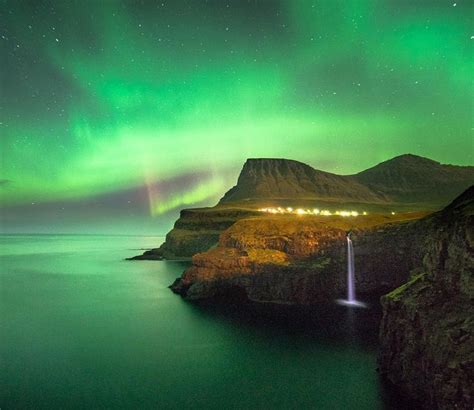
(196, 230)
(259, 266)
(150, 255)
(427, 330)
(287, 259)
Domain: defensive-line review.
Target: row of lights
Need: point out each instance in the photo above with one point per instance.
(301, 211)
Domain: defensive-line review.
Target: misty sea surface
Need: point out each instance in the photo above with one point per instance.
(80, 327)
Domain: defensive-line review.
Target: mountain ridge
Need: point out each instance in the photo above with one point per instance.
(406, 178)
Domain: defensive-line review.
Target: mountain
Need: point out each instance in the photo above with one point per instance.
(410, 178)
(407, 179)
(264, 178)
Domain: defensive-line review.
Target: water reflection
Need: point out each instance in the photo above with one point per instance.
(99, 332)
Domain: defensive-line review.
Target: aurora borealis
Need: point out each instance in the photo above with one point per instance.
(128, 110)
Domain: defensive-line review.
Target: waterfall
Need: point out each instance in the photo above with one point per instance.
(351, 293)
(351, 297)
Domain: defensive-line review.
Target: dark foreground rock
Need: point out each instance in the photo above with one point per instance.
(427, 330)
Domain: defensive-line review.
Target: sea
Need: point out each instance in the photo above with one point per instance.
(83, 328)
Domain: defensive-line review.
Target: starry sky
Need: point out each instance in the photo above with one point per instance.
(116, 114)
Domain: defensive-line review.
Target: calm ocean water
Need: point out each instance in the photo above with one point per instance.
(82, 328)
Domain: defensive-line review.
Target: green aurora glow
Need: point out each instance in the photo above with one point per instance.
(104, 96)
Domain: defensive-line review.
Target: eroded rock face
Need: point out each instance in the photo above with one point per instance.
(293, 260)
(196, 230)
(385, 255)
(427, 330)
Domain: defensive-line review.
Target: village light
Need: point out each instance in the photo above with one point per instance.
(302, 211)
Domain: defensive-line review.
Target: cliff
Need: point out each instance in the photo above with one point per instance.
(291, 259)
(196, 230)
(427, 330)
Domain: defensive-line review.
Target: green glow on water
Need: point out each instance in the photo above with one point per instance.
(97, 331)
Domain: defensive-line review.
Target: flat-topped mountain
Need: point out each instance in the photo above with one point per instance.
(264, 178)
(404, 179)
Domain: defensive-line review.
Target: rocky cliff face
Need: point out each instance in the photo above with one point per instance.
(427, 330)
(268, 266)
(196, 230)
(287, 259)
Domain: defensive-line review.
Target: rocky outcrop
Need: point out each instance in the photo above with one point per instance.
(267, 267)
(427, 330)
(288, 259)
(196, 230)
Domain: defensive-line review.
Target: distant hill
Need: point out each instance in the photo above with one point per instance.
(410, 178)
(404, 179)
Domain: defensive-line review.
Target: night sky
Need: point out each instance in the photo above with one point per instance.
(116, 114)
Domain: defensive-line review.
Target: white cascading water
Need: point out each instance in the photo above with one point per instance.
(351, 297)
(351, 293)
